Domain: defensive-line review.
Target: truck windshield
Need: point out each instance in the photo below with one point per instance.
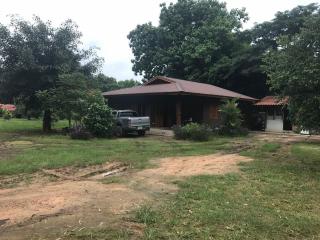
(128, 114)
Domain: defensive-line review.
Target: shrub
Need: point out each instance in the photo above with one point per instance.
(1, 112)
(7, 115)
(99, 120)
(80, 133)
(192, 131)
(231, 119)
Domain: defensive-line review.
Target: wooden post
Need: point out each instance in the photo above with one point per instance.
(178, 113)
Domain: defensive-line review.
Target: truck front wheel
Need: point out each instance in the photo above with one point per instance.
(120, 132)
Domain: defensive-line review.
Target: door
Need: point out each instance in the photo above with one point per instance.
(274, 120)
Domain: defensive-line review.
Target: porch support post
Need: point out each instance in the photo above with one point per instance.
(178, 112)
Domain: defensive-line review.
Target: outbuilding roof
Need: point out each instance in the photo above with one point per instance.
(8, 107)
(167, 85)
(272, 101)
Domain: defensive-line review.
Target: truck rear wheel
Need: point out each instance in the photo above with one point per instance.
(141, 133)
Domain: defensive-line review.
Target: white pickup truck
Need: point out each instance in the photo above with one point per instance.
(128, 121)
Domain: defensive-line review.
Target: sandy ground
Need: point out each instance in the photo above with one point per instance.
(284, 138)
(78, 199)
(196, 165)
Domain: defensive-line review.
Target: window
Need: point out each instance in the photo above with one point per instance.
(128, 114)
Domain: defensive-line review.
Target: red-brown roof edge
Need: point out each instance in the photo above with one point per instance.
(179, 86)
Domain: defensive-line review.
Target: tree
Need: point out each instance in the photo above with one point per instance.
(127, 84)
(194, 40)
(266, 35)
(231, 117)
(202, 41)
(34, 54)
(105, 83)
(71, 98)
(294, 71)
(247, 74)
(99, 120)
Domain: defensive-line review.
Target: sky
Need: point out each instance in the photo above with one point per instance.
(106, 23)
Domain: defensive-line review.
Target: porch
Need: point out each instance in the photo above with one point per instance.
(167, 110)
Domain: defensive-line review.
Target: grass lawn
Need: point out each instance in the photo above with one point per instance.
(33, 150)
(276, 196)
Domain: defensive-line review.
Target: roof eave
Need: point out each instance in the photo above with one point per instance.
(182, 93)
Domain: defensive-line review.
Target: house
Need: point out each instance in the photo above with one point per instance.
(275, 114)
(170, 101)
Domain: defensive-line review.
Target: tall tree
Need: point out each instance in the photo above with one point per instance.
(194, 40)
(105, 83)
(33, 55)
(294, 71)
(288, 23)
(202, 41)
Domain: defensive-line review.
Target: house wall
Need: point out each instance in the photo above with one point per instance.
(168, 110)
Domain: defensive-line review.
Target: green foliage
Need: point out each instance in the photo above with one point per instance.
(99, 120)
(288, 23)
(34, 54)
(192, 131)
(105, 83)
(293, 71)
(194, 40)
(7, 115)
(202, 41)
(71, 98)
(1, 112)
(231, 118)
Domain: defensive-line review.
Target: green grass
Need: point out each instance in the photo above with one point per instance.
(146, 215)
(103, 234)
(276, 197)
(24, 125)
(54, 151)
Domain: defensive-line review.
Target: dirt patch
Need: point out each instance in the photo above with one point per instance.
(197, 165)
(18, 143)
(94, 172)
(54, 208)
(19, 205)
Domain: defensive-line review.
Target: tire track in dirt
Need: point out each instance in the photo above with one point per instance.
(84, 202)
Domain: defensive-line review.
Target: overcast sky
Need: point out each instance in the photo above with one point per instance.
(106, 23)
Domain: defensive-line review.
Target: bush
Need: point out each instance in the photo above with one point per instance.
(7, 115)
(80, 133)
(192, 131)
(1, 112)
(99, 120)
(231, 119)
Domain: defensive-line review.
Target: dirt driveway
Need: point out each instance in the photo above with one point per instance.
(80, 199)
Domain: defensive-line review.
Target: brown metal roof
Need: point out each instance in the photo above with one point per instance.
(272, 101)
(166, 85)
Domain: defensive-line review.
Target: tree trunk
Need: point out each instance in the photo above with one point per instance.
(46, 123)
